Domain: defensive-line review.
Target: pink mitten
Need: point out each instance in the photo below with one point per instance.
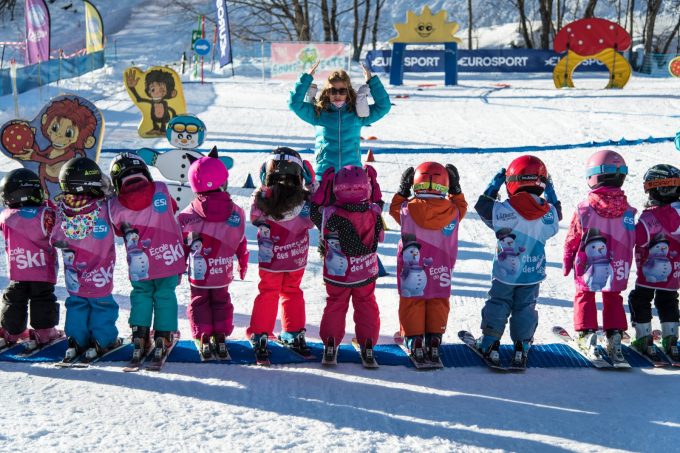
(322, 196)
(376, 193)
(243, 265)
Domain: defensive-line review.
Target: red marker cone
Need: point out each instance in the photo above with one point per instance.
(369, 156)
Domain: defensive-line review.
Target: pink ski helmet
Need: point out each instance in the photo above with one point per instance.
(351, 185)
(207, 173)
(606, 168)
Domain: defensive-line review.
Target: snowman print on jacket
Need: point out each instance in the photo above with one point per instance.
(70, 270)
(509, 263)
(336, 261)
(658, 267)
(265, 244)
(413, 277)
(598, 274)
(198, 266)
(138, 260)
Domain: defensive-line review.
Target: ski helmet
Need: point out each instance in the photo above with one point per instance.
(283, 165)
(351, 185)
(662, 183)
(606, 168)
(126, 164)
(21, 187)
(208, 173)
(430, 180)
(527, 173)
(81, 176)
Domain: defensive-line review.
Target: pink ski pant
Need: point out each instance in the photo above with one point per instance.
(275, 287)
(210, 311)
(585, 311)
(366, 313)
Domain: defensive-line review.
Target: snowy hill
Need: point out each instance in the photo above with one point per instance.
(211, 407)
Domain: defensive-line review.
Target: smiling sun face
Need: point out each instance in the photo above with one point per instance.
(424, 29)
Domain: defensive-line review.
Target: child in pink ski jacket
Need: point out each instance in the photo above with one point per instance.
(350, 230)
(213, 227)
(599, 248)
(26, 224)
(280, 210)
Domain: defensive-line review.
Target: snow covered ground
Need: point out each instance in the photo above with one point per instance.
(208, 407)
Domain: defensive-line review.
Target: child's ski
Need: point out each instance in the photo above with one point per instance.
(205, 351)
(305, 353)
(32, 347)
(160, 355)
(471, 342)
(597, 359)
(330, 354)
(92, 356)
(673, 359)
(367, 357)
(220, 351)
(419, 359)
(138, 358)
(261, 351)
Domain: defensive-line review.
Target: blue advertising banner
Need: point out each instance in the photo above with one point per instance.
(483, 60)
(223, 36)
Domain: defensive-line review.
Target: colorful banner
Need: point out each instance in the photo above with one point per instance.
(483, 60)
(288, 60)
(223, 35)
(94, 28)
(37, 31)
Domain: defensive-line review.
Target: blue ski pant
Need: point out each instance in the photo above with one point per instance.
(517, 302)
(91, 318)
(157, 299)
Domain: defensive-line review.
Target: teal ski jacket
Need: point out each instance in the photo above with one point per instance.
(338, 131)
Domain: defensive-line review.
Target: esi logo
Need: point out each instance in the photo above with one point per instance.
(305, 212)
(629, 220)
(234, 219)
(160, 202)
(28, 213)
(101, 229)
(450, 228)
(548, 218)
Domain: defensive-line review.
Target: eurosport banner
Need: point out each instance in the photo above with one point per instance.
(37, 18)
(288, 60)
(223, 35)
(483, 60)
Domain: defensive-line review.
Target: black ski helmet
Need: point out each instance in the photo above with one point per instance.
(81, 176)
(282, 165)
(662, 183)
(126, 164)
(21, 187)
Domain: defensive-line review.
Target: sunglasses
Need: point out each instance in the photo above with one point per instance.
(190, 128)
(336, 91)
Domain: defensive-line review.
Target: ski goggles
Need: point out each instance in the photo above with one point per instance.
(285, 158)
(190, 128)
(538, 180)
(662, 183)
(430, 187)
(606, 169)
(338, 91)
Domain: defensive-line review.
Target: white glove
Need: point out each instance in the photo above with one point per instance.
(311, 93)
(362, 101)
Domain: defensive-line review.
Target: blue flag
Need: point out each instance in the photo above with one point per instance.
(223, 37)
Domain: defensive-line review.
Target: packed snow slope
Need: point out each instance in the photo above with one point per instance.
(208, 407)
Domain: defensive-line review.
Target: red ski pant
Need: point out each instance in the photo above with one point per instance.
(420, 316)
(366, 313)
(210, 312)
(585, 311)
(275, 287)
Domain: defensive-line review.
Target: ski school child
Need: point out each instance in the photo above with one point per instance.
(143, 213)
(350, 229)
(213, 227)
(657, 254)
(280, 211)
(599, 248)
(26, 224)
(84, 235)
(522, 224)
(429, 242)
(336, 116)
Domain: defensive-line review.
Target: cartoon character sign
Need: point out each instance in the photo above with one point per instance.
(186, 131)
(160, 100)
(598, 273)
(509, 263)
(336, 261)
(66, 127)
(658, 267)
(413, 277)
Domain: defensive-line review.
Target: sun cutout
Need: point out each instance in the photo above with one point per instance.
(426, 27)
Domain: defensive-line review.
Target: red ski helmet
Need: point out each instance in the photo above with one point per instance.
(606, 168)
(526, 173)
(430, 180)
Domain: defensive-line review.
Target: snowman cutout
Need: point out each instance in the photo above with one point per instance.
(336, 262)
(658, 267)
(138, 260)
(509, 263)
(71, 270)
(598, 273)
(198, 265)
(265, 243)
(413, 277)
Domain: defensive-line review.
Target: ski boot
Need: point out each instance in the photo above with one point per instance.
(614, 350)
(669, 340)
(433, 341)
(416, 349)
(330, 352)
(259, 342)
(296, 341)
(73, 351)
(587, 342)
(489, 347)
(521, 354)
(162, 341)
(219, 344)
(141, 339)
(205, 348)
(644, 342)
(367, 353)
(7, 339)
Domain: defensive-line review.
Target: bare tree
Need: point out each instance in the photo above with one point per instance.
(523, 23)
(358, 41)
(274, 17)
(326, 21)
(590, 9)
(674, 32)
(653, 7)
(376, 19)
(469, 5)
(545, 7)
(7, 6)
